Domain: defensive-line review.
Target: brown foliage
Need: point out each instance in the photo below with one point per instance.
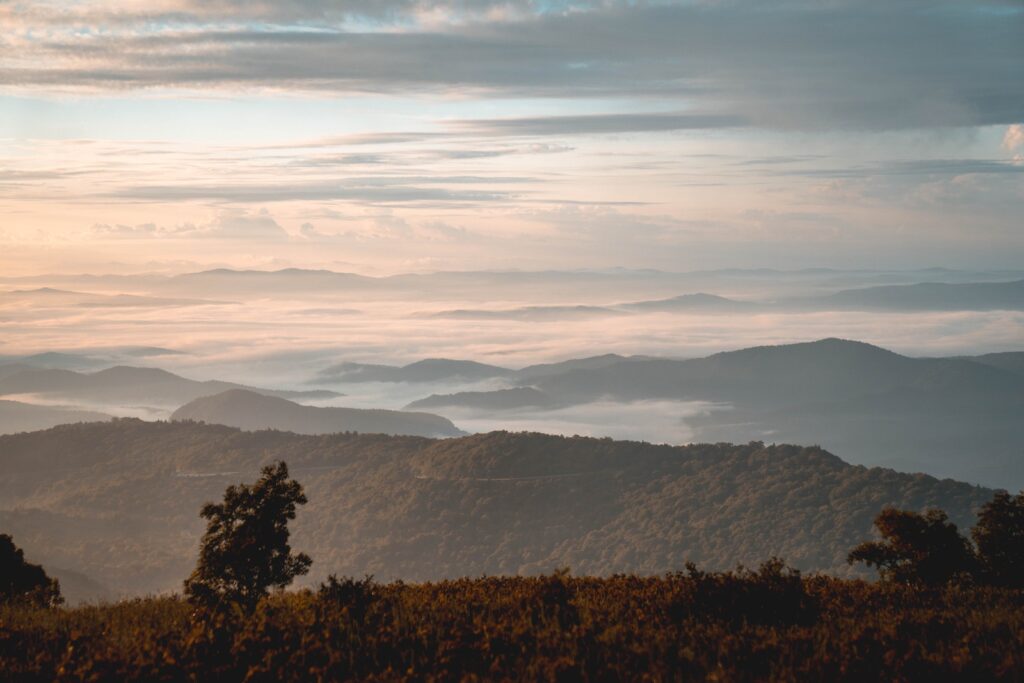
(768, 624)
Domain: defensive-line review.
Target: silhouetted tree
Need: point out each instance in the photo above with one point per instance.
(916, 548)
(22, 581)
(999, 537)
(245, 550)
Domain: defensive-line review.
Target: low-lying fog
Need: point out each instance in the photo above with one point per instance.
(258, 338)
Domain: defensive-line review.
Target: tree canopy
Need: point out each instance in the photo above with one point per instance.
(245, 549)
(999, 538)
(916, 548)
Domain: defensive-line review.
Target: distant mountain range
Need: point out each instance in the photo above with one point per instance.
(699, 302)
(429, 370)
(957, 417)
(975, 296)
(48, 296)
(253, 411)
(528, 313)
(926, 296)
(954, 417)
(447, 370)
(500, 399)
(119, 502)
(125, 385)
(1010, 361)
(86, 359)
(16, 416)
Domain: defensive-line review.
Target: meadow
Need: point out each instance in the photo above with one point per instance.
(770, 624)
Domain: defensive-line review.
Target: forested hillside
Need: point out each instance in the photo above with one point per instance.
(119, 501)
(249, 410)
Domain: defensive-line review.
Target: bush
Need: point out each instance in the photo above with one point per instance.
(24, 582)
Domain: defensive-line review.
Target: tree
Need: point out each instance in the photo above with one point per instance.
(999, 537)
(245, 550)
(916, 548)
(22, 581)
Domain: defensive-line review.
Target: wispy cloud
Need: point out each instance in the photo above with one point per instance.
(370, 193)
(802, 65)
(585, 124)
(1014, 137)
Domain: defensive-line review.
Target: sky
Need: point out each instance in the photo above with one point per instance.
(421, 135)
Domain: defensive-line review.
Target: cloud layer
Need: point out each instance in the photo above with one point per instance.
(794, 65)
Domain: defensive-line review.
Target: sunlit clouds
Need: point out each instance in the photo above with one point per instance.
(411, 136)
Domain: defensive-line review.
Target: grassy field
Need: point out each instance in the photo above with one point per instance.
(764, 625)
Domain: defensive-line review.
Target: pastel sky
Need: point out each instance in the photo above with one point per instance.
(411, 135)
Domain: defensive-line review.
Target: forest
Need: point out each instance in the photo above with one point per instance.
(117, 503)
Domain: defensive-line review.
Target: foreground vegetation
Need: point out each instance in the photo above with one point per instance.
(945, 608)
(771, 624)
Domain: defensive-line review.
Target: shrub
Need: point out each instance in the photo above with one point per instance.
(22, 581)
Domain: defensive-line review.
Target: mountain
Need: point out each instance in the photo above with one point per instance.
(77, 588)
(52, 360)
(499, 399)
(781, 375)
(48, 296)
(951, 417)
(126, 385)
(532, 373)
(1011, 361)
(16, 416)
(528, 313)
(698, 303)
(267, 282)
(928, 296)
(7, 369)
(249, 410)
(429, 370)
(119, 502)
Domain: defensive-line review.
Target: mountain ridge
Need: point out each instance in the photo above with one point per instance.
(122, 506)
(128, 384)
(249, 410)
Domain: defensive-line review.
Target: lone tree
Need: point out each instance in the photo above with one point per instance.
(999, 537)
(24, 582)
(245, 550)
(917, 548)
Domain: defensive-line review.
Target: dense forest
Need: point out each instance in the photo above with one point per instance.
(118, 503)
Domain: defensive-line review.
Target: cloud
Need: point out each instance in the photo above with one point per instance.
(795, 65)
(244, 225)
(1014, 137)
(229, 224)
(600, 123)
(386, 227)
(917, 167)
(381, 192)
